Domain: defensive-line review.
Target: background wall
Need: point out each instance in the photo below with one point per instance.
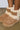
(3, 3)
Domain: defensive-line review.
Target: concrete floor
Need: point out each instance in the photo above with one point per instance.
(14, 27)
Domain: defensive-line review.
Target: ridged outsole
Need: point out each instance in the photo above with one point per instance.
(8, 21)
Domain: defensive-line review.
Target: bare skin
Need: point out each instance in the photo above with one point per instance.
(10, 2)
(16, 5)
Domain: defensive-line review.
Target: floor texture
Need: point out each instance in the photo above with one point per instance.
(14, 27)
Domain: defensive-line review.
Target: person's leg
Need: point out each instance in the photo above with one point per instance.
(16, 5)
(13, 1)
(19, 4)
(10, 2)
